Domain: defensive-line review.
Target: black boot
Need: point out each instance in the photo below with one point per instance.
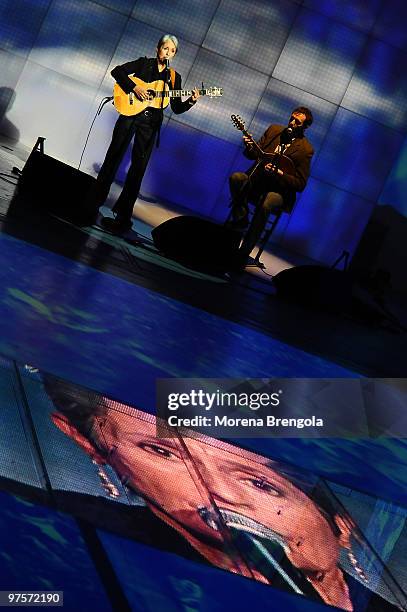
(116, 225)
(240, 216)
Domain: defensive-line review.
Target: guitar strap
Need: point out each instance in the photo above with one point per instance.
(172, 78)
(172, 73)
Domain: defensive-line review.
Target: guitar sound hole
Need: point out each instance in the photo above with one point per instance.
(151, 94)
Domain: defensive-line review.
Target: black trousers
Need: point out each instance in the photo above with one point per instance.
(144, 132)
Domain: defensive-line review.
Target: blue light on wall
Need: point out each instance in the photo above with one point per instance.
(342, 58)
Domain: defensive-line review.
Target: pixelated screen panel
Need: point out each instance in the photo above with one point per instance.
(185, 583)
(77, 39)
(357, 155)
(187, 21)
(378, 88)
(139, 449)
(67, 468)
(206, 164)
(12, 66)
(280, 99)
(20, 22)
(140, 40)
(372, 512)
(242, 87)
(390, 24)
(327, 456)
(324, 456)
(17, 453)
(356, 13)
(121, 6)
(44, 549)
(59, 101)
(231, 33)
(319, 56)
(317, 225)
(202, 495)
(394, 192)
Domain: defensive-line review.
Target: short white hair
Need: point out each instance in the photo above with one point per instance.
(166, 38)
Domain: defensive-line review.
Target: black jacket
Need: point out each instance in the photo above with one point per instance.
(300, 152)
(146, 68)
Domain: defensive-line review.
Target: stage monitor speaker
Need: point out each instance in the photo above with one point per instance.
(197, 243)
(316, 287)
(56, 187)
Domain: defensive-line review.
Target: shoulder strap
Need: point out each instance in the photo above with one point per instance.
(172, 73)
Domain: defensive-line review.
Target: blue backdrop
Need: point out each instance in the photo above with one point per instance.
(342, 58)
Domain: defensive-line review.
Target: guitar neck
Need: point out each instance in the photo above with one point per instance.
(254, 143)
(178, 93)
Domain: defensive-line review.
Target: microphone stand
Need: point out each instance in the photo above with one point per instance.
(166, 79)
(274, 563)
(99, 110)
(285, 139)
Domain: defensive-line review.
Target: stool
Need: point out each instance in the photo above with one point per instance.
(266, 235)
(269, 228)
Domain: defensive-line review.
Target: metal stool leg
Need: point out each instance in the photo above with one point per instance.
(230, 213)
(266, 236)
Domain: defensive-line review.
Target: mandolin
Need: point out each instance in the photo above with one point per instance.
(279, 161)
(159, 96)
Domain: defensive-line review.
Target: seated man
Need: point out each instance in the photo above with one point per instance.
(271, 187)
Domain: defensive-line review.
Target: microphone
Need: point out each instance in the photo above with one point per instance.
(287, 134)
(252, 530)
(240, 522)
(167, 75)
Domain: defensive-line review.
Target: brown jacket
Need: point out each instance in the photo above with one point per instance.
(300, 152)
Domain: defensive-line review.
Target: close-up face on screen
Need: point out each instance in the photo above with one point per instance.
(240, 511)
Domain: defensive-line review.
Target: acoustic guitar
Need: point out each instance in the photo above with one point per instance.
(159, 95)
(279, 161)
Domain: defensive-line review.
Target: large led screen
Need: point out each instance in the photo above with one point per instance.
(216, 503)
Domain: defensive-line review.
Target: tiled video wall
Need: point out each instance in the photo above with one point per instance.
(119, 518)
(342, 58)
